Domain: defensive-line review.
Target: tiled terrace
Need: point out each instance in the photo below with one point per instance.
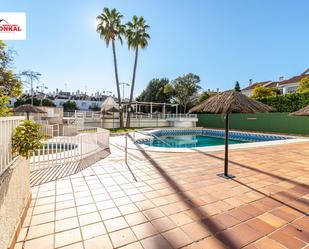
(177, 202)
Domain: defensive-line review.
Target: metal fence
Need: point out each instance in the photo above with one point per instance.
(7, 126)
(69, 149)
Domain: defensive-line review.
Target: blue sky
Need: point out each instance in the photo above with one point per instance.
(220, 40)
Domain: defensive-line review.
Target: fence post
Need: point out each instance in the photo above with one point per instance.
(126, 149)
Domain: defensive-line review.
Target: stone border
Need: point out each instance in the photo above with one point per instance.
(131, 145)
(20, 222)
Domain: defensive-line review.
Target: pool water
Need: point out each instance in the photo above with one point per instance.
(187, 141)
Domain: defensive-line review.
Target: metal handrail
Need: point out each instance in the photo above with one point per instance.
(155, 136)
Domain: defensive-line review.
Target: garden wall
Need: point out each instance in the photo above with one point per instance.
(261, 122)
(14, 200)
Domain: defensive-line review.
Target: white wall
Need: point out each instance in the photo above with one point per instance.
(14, 193)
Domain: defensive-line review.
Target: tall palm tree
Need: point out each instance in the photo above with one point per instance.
(110, 28)
(136, 33)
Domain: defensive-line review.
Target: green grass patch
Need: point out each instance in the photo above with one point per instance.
(121, 130)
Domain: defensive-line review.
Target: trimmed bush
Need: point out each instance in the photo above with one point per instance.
(287, 103)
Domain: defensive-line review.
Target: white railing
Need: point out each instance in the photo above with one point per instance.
(7, 126)
(69, 149)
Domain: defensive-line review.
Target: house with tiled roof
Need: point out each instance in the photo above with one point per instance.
(249, 89)
(285, 86)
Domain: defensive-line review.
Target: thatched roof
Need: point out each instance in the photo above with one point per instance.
(302, 112)
(231, 102)
(108, 103)
(28, 108)
(113, 109)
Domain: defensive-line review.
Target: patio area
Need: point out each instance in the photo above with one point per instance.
(176, 202)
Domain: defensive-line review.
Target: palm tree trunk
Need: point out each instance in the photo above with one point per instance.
(117, 83)
(132, 88)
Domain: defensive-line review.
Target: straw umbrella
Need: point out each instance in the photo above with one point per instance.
(302, 112)
(28, 109)
(226, 103)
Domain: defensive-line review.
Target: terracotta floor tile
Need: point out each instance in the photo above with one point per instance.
(40, 230)
(93, 230)
(231, 237)
(287, 240)
(90, 218)
(260, 226)
(65, 213)
(115, 224)
(67, 237)
(102, 241)
(251, 210)
(177, 238)
(144, 230)
(134, 245)
(86, 209)
(135, 218)
(78, 245)
(44, 208)
(153, 213)
(240, 215)
(226, 220)
(267, 243)
(163, 224)
(272, 220)
(211, 243)
(122, 237)
(19, 245)
(46, 242)
(297, 232)
(196, 231)
(109, 213)
(156, 242)
(66, 224)
(65, 204)
(105, 204)
(42, 218)
(128, 209)
(180, 219)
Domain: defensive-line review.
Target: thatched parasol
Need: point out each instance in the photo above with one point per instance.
(226, 103)
(28, 109)
(302, 112)
(108, 103)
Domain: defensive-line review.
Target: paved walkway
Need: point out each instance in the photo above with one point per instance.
(177, 202)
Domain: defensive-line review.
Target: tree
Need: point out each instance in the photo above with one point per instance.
(186, 89)
(27, 138)
(110, 28)
(69, 106)
(156, 91)
(137, 36)
(237, 87)
(31, 77)
(203, 97)
(303, 86)
(262, 92)
(10, 85)
(36, 102)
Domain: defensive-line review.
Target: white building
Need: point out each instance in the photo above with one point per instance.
(285, 86)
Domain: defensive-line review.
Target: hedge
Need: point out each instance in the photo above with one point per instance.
(287, 103)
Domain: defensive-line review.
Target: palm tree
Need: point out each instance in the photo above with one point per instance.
(136, 33)
(110, 28)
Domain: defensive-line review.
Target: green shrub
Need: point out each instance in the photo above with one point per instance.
(287, 103)
(27, 138)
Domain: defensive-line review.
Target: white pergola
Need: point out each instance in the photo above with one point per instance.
(137, 106)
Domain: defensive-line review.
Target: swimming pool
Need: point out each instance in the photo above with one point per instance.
(201, 138)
